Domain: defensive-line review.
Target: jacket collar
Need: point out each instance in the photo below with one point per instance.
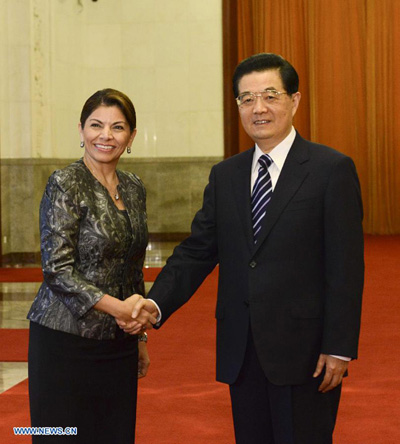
(293, 174)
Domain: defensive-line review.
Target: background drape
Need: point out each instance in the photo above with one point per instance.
(346, 54)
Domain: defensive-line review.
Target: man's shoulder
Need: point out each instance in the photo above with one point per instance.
(317, 151)
(236, 160)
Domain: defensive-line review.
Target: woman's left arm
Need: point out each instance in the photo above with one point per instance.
(144, 360)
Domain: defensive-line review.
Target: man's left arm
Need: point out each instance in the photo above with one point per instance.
(344, 272)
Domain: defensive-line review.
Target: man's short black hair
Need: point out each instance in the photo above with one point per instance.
(265, 62)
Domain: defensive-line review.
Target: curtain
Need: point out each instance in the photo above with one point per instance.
(346, 54)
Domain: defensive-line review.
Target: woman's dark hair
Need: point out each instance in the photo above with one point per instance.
(110, 97)
(265, 62)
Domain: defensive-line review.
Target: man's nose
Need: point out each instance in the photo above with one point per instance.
(259, 105)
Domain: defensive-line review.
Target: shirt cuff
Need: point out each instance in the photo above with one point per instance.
(159, 311)
(343, 358)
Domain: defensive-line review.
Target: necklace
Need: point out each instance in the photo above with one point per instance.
(115, 194)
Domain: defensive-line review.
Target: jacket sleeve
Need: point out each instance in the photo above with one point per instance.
(60, 218)
(344, 261)
(191, 261)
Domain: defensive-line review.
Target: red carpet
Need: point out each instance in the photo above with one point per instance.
(180, 402)
(21, 275)
(35, 274)
(14, 344)
(370, 405)
(14, 412)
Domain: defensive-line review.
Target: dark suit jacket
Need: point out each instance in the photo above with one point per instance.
(300, 287)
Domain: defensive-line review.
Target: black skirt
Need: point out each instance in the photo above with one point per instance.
(81, 383)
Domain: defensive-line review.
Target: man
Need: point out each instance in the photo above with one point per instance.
(286, 232)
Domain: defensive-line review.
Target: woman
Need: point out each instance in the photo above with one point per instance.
(83, 368)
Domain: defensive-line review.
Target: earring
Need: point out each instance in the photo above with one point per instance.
(82, 144)
(128, 149)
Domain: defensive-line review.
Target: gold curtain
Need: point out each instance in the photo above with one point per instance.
(347, 56)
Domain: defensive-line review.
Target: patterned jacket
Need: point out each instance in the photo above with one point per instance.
(88, 250)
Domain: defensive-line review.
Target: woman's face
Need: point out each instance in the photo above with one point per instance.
(106, 134)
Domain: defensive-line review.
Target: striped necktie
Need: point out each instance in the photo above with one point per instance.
(261, 195)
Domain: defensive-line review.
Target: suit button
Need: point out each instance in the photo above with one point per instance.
(253, 264)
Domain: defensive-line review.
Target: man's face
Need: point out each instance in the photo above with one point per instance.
(267, 123)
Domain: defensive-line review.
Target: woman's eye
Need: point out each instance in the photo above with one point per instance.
(119, 127)
(95, 125)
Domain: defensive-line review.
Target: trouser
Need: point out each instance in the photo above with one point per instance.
(264, 413)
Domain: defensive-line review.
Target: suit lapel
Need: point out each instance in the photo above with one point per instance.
(293, 173)
(241, 188)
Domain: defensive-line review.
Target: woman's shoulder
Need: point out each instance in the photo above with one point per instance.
(130, 179)
(71, 176)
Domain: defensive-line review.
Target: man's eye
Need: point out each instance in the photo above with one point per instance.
(247, 99)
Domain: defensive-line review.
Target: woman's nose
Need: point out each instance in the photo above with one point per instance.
(106, 133)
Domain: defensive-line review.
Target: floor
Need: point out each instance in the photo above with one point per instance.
(16, 299)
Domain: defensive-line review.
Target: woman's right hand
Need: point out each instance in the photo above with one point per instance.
(143, 319)
(122, 311)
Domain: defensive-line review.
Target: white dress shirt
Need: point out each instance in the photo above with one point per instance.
(278, 155)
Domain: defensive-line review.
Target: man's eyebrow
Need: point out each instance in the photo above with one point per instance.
(268, 88)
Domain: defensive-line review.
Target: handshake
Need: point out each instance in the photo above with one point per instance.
(139, 315)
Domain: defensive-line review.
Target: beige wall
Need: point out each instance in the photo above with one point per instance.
(166, 55)
(15, 79)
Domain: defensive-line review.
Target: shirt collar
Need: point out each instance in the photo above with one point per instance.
(278, 154)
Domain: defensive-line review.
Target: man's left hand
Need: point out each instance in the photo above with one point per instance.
(335, 368)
